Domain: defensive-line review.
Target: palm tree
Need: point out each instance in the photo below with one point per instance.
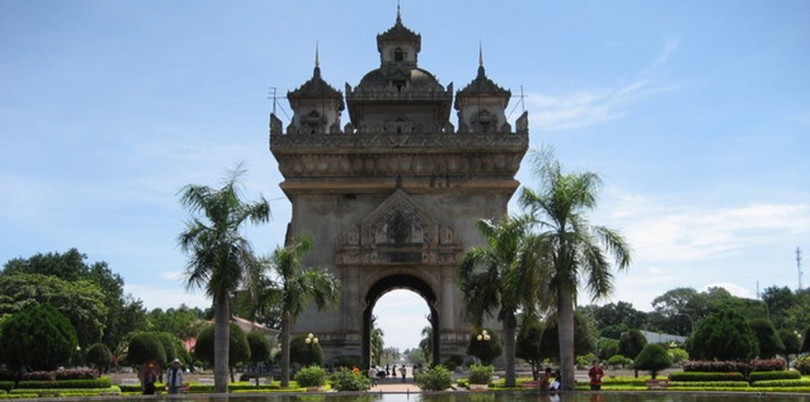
(377, 345)
(502, 276)
(426, 344)
(298, 287)
(219, 255)
(576, 248)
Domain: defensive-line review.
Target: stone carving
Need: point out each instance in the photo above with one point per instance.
(398, 232)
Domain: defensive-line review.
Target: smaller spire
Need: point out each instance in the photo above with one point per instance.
(481, 71)
(317, 71)
(399, 16)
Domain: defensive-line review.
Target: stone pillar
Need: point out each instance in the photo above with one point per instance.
(448, 320)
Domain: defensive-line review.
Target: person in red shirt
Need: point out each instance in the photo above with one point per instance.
(595, 374)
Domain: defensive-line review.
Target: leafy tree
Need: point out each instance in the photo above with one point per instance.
(631, 343)
(793, 344)
(768, 340)
(724, 335)
(305, 353)
(82, 301)
(619, 360)
(653, 357)
(613, 331)
(779, 301)
(122, 313)
(679, 309)
(98, 355)
(576, 249)
(501, 277)
(183, 322)
(219, 256)
(260, 349)
(239, 349)
(606, 348)
(620, 314)
(485, 345)
(527, 346)
(38, 338)
(298, 286)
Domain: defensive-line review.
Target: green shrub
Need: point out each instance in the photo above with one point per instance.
(653, 357)
(619, 360)
(487, 348)
(38, 337)
(716, 366)
(782, 383)
(345, 380)
(481, 374)
(705, 376)
(305, 354)
(775, 364)
(6, 385)
(312, 376)
(98, 355)
(678, 355)
(436, 378)
(774, 375)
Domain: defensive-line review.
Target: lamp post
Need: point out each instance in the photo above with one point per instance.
(311, 340)
(482, 337)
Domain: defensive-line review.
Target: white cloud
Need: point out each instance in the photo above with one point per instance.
(732, 288)
(660, 232)
(595, 106)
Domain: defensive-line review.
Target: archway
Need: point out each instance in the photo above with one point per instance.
(393, 282)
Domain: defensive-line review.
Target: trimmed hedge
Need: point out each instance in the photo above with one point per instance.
(102, 382)
(716, 366)
(708, 384)
(705, 376)
(759, 376)
(782, 383)
(775, 364)
(6, 385)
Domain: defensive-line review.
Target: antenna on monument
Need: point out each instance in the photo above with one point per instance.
(399, 16)
(317, 58)
(273, 97)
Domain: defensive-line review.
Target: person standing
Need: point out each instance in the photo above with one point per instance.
(595, 374)
(402, 371)
(149, 377)
(174, 377)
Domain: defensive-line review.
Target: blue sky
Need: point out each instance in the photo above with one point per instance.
(696, 114)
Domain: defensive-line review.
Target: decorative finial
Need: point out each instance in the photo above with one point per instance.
(317, 71)
(399, 16)
(481, 71)
(480, 54)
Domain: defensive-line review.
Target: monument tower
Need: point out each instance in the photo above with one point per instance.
(390, 199)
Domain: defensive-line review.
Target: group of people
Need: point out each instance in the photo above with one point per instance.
(549, 381)
(552, 382)
(174, 377)
(389, 370)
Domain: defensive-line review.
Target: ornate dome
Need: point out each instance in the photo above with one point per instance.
(418, 79)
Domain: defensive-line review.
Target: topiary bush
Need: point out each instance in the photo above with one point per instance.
(777, 364)
(305, 354)
(716, 366)
(144, 347)
(654, 358)
(346, 380)
(436, 378)
(481, 374)
(312, 376)
(98, 355)
(487, 348)
(38, 338)
(453, 361)
(724, 335)
(619, 360)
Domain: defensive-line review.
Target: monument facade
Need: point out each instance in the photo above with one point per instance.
(390, 199)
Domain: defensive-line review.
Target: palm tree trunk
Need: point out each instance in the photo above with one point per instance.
(285, 350)
(222, 344)
(509, 346)
(565, 321)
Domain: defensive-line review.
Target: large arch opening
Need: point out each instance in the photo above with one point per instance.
(386, 285)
